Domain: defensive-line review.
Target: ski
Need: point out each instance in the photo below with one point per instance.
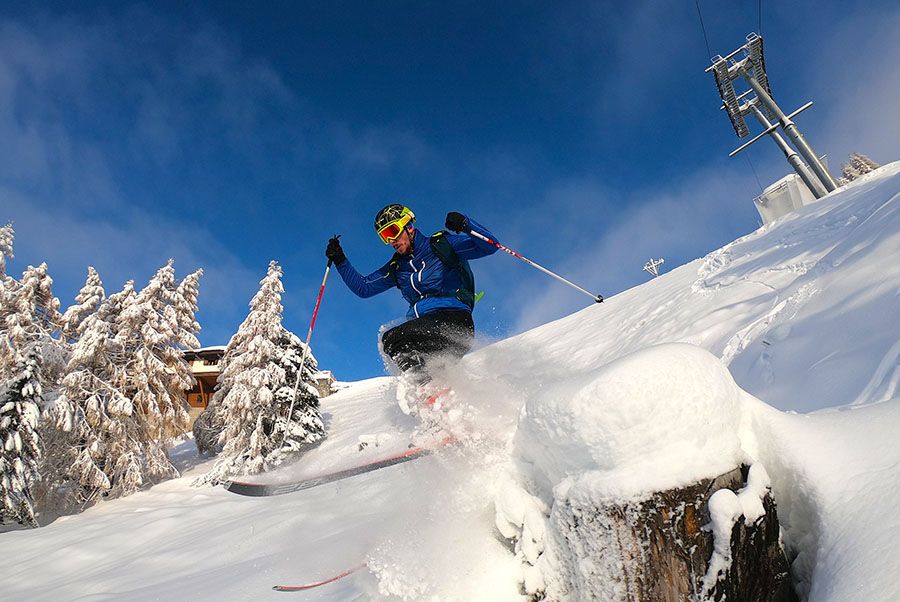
(266, 489)
(434, 398)
(297, 588)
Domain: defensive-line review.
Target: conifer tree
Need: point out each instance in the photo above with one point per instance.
(858, 165)
(6, 248)
(96, 441)
(28, 312)
(156, 377)
(186, 309)
(305, 424)
(29, 316)
(20, 445)
(87, 302)
(260, 369)
(122, 399)
(7, 286)
(153, 375)
(35, 300)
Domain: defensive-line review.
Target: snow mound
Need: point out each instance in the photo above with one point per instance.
(659, 418)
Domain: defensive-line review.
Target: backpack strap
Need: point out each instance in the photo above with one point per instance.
(444, 251)
(392, 269)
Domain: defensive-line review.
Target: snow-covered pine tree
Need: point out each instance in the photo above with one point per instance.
(186, 309)
(849, 172)
(148, 329)
(864, 163)
(155, 374)
(20, 444)
(87, 301)
(28, 312)
(305, 425)
(7, 286)
(29, 316)
(255, 388)
(859, 165)
(7, 234)
(35, 299)
(96, 443)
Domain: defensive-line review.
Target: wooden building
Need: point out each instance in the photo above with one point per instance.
(205, 368)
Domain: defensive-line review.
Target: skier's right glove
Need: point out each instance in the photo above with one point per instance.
(334, 252)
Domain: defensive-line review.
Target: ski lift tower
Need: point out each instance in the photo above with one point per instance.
(652, 266)
(757, 101)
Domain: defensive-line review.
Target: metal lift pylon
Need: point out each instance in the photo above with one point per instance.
(752, 69)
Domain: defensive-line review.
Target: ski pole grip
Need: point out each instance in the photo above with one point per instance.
(331, 261)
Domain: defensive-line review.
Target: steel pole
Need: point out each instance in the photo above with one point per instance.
(792, 157)
(790, 129)
(597, 298)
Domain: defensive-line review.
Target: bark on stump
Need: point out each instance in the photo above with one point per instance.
(659, 549)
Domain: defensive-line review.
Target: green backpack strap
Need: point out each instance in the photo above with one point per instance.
(392, 270)
(444, 251)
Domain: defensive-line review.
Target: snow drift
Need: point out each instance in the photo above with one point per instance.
(659, 418)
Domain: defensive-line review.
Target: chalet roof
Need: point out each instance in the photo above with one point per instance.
(205, 353)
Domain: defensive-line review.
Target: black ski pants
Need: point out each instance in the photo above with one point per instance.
(445, 334)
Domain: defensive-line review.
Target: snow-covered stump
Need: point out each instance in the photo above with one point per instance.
(668, 547)
(631, 487)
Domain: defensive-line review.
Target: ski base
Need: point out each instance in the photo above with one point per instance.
(263, 489)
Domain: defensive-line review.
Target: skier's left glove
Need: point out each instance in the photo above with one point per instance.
(457, 222)
(334, 252)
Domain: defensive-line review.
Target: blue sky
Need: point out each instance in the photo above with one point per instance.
(586, 135)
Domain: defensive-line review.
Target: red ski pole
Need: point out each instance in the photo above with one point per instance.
(597, 298)
(305, 352)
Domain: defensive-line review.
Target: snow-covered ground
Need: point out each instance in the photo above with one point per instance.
(616, 399)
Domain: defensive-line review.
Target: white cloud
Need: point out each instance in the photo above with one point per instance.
(133, 246)
(61, 157)
(610, 247)
(860, 65)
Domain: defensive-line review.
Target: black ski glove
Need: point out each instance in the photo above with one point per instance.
(457, 222)
(334, 252)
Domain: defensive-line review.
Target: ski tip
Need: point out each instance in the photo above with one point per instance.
(295, 588)
(247, 489)
(431, 400)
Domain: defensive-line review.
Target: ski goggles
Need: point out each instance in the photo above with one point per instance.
(392, 230)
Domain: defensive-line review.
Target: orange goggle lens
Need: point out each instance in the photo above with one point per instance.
(392, 230)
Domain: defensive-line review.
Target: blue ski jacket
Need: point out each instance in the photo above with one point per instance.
(423, 279)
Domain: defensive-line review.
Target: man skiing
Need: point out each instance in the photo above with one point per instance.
(433, 276)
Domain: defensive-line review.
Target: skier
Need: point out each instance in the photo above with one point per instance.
(434, 277)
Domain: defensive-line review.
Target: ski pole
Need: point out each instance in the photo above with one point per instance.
(597, 298)
(306, 350)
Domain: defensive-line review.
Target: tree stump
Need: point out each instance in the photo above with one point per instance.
(661, 549)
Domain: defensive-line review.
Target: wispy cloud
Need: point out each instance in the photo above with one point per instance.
(79, 102)
(132, 246)
(609, 247)
(862, 116)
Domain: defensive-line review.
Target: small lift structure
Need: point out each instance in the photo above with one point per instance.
(757, 101)
(652, 266)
